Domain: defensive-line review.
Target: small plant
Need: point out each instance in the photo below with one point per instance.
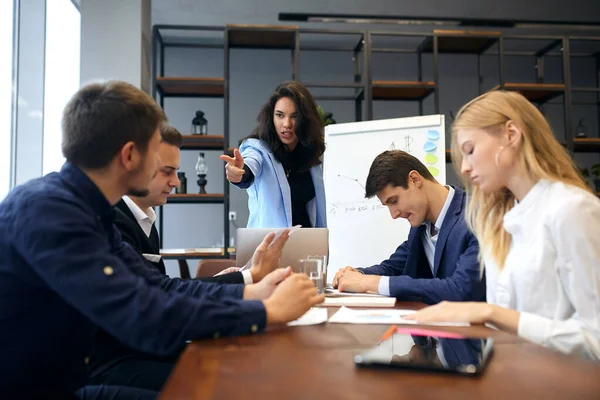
(585, 172)
(326, 117)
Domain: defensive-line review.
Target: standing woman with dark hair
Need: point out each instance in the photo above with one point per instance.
(280, 162)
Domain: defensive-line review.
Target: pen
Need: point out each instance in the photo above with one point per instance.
(389, 332)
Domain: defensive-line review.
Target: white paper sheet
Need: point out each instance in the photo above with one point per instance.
(359, 301)
(375, 316)
(314, 316)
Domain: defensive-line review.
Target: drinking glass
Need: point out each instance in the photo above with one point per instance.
(313, 268)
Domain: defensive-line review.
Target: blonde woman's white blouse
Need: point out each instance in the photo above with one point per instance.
(552, 271)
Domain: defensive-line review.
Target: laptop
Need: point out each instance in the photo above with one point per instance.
(302, 242)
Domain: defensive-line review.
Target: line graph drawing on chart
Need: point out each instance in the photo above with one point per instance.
(349, 186)
(352, 179)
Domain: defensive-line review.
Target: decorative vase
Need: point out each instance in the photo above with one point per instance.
(201, 171)
(182, 188)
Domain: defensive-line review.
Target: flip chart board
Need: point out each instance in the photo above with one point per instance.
(361, 231)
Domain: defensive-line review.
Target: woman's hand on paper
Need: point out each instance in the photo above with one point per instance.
(472, 312)
(446, 311)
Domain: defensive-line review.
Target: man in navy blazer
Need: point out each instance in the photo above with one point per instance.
(439, 260)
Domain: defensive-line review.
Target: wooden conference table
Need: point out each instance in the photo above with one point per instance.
(317, 362)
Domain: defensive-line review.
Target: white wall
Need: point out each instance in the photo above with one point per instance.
(111, 41)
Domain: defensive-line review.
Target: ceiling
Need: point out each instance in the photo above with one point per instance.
(222, 12)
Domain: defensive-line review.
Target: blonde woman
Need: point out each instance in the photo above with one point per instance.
(538, 227)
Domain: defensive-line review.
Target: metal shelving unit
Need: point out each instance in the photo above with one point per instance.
(339, 41)
(362, 89)
(590, 50)
(192, 87)
(400, 90)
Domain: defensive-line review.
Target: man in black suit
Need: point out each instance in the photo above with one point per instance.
(112, 362)
(135, 215)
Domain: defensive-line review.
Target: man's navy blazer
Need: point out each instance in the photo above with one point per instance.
(456, 272)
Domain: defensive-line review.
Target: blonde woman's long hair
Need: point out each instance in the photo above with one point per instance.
(540, 156)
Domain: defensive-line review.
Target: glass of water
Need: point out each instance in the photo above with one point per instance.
(313, 268)
(323, 259)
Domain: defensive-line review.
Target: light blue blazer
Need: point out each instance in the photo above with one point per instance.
(269, 196)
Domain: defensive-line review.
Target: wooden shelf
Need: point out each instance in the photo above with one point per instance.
(586, 145)
(460, 41)
(194, 198)
(535, 92)
(203, 142)
(402, 90)
(262, 36)
(208, 252)
(191, 87)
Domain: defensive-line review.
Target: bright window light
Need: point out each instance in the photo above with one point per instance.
(6, 61)
(63, 37)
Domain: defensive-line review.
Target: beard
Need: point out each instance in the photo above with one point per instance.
(137, 192)
(132, 191)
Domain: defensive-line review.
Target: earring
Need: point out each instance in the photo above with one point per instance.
(498, 154)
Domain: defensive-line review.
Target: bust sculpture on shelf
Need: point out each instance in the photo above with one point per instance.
(199, 124)
(201, 171)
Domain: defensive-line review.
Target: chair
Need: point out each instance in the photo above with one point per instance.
(184, 270)
(212, 267)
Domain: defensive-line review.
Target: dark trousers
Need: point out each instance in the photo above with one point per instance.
(104, 392)
(142, 373)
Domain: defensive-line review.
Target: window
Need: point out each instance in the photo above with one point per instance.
(6, 70)
(63, 37)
